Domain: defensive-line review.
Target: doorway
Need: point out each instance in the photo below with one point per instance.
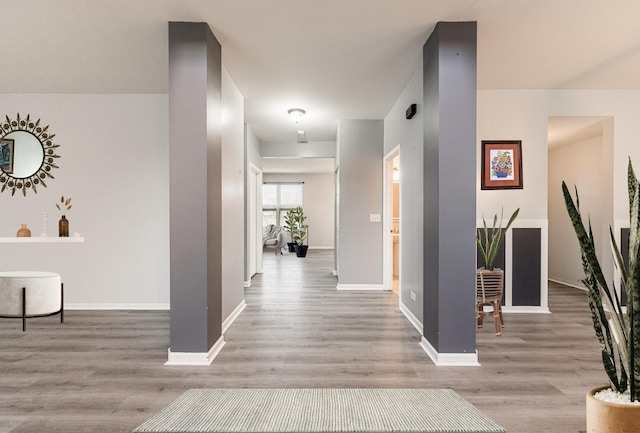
(392, 260)
(255, 221)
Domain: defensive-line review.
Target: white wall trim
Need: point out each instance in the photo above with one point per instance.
(233, 316)
(526, 309)
(567, 283)
(360, 287)
(411, 318)
(449, 359)
(247, 284)
(195, 358)
(109, 306)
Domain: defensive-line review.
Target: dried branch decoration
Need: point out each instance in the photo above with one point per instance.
(64, 204)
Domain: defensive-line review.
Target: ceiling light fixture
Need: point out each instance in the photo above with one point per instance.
(296, 114)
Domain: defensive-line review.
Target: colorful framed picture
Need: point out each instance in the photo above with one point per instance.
(501, 164)
(6, 155)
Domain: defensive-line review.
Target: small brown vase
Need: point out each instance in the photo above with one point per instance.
(63, 227)
(24, 232)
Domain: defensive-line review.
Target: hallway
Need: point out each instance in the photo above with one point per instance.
(103, 371)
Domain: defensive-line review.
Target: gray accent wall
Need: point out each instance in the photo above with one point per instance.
(359, 154)
(195, 147)
(449, 71)
(526, 257)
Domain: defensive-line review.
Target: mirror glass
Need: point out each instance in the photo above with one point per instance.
(27, 154)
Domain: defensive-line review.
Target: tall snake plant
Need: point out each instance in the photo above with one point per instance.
(618, 332)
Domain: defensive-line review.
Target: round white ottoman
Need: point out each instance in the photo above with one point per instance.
(30, 294)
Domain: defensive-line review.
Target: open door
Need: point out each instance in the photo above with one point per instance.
(391, 272)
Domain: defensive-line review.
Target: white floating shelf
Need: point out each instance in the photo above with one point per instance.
(38, 239)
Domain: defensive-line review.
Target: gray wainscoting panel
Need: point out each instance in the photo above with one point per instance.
(525, 280)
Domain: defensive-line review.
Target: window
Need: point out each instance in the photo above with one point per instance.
(277, 199)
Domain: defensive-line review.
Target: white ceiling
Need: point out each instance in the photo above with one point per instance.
(337, 59)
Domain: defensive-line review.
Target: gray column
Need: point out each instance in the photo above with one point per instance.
(359, 245)
(449, 58)
(195, 83)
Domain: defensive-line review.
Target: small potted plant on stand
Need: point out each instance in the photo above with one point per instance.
(300, 232)
(489, 279)
(614, 407)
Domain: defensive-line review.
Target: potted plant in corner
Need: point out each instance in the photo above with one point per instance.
(300, 231)
(290, 227)
(618, 332)
(489, 279)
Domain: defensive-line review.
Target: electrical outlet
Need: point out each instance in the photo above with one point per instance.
(413, 296)
(375, 218)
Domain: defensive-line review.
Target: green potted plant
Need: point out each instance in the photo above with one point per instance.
(489, 279)
(617, 330)
(489, 240)
(290, 227)
(299, 232)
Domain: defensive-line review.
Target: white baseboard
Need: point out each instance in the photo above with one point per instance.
(360, 286)
(195, 358)
(566, 283)
(533, 309)
(449, 359)
(233, 316)
(247, 284)
(81, 306)
(413, 319)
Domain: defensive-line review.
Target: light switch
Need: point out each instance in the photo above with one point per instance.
(375, 218)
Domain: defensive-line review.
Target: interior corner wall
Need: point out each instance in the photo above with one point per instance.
(408, 134)
(233, 181)
(449, 258)
(360, 155)
(579, 164)
(195, 185)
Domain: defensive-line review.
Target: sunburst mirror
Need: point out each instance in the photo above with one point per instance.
(28, 154)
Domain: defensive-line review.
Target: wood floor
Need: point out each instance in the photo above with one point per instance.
(102, 371)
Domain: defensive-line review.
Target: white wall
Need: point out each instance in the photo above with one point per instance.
(409, 135)
(232, 195)
(318, 202)
(578, 164)
(115, 165)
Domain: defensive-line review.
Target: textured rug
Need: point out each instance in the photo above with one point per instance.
(319, 410)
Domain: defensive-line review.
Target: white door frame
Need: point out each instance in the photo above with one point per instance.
(257, 208)
(387, 219)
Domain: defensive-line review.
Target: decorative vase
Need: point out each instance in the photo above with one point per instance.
(603, 416)
(63, 227)
(24, 232)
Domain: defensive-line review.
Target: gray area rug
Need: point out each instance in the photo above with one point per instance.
(319, 410)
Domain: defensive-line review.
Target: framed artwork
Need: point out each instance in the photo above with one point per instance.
(501, 164)
(6, 155)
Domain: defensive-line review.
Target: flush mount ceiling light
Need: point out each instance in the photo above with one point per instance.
(296, 114)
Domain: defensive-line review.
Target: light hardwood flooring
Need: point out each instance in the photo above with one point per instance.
(102, 371)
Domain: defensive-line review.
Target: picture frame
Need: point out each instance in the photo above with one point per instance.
(6, 155)
(501, 164)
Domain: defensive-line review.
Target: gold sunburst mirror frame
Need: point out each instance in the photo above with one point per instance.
(24, 164)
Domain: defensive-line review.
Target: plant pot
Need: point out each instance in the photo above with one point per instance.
(291, 246)
(301, 250)
(603, 416)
